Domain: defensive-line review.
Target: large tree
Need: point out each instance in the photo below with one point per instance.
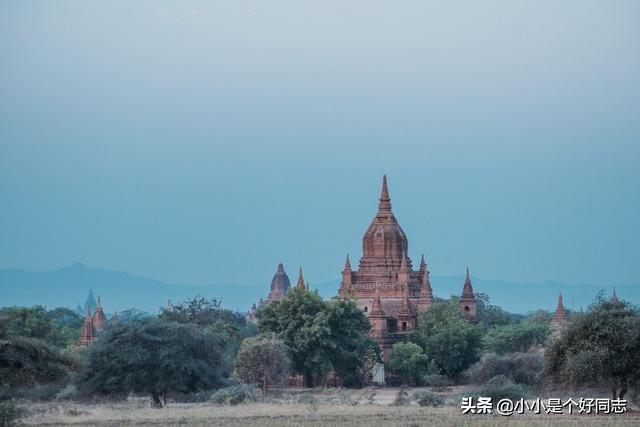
(263, 361)
(601, 346)
(447, 338)
(208, 314)
(154, 357)
(321, 335)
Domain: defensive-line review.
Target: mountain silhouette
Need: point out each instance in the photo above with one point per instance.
(119, 290)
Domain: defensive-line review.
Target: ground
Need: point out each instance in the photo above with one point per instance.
(317, 408)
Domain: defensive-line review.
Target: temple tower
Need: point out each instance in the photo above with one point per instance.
(88, 334)
(280, 285)
(560, 319)
(99, 318)
(385, 286)
(467, 299)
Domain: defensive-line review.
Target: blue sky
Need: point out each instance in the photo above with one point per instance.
(204, 142)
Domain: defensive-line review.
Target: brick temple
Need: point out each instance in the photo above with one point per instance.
(385, 285)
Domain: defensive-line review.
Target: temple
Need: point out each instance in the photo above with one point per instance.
(92, 325)
(385, 286)
(280, 285)
(560, 319)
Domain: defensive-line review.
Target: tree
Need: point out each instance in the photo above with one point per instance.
(154, 357)
(518, 337)
(600, 346)
(59, 327)
(490, 315)
(408, 361)
(447, 339)
(231, 327)
(263, 361)
(30, 361)
(350, 349)
(321, 335)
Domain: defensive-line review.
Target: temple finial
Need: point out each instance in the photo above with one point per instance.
(301, 280)
(347, 264)
(280, 268)
(385, 201)
(89, 310)
(422, 264)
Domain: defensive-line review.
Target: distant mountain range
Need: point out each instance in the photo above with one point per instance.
(120, 290)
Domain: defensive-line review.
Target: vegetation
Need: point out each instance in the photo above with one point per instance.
(500, 387)
(321, 335)
(154, 357)
(59, 327)
(408, 362)
(447, 338)
(521, 368)
(30, 361)
(518, 337)
(263, 361)
(601, 346)
(10, 413)
(427, 398)
(234, 395)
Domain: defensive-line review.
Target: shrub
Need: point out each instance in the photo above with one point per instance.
(234, 395)
(521, 368)
(402, 398)
(500, 387)
(427, 398)
(10, 413)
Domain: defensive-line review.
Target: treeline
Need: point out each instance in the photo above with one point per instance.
(191, 349)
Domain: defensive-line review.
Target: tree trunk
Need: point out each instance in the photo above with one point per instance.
(157, 402)
(307, 380)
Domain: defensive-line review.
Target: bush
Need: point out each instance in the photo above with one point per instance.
(521, 368)
(402, 398)
(234, 395)
(437, 381)
(427, 398)
(500, 387)
(10, 413)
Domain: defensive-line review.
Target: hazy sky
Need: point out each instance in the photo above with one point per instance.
(204, 142)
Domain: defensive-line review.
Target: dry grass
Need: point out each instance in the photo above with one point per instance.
(326, 408)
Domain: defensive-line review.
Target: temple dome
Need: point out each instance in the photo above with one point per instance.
(280, 284)
(385, 239)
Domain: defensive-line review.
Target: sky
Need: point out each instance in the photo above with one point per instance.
(205, 142)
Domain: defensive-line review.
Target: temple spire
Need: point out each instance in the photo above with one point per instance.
(422, 264)
(406, 305)
(403, 263)
(467, 290)
(376, 306)
(560, 314)
(385, 201)
(425, 291)
(300, 280)
(347, 264)
(614, 297)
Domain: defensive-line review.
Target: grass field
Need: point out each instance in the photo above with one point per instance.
(351, 408)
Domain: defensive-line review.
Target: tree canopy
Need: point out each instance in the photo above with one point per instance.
(321, 335)
(154, 357)
(600, 346)
(263, 361)
(408, 361)
(447, 338)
